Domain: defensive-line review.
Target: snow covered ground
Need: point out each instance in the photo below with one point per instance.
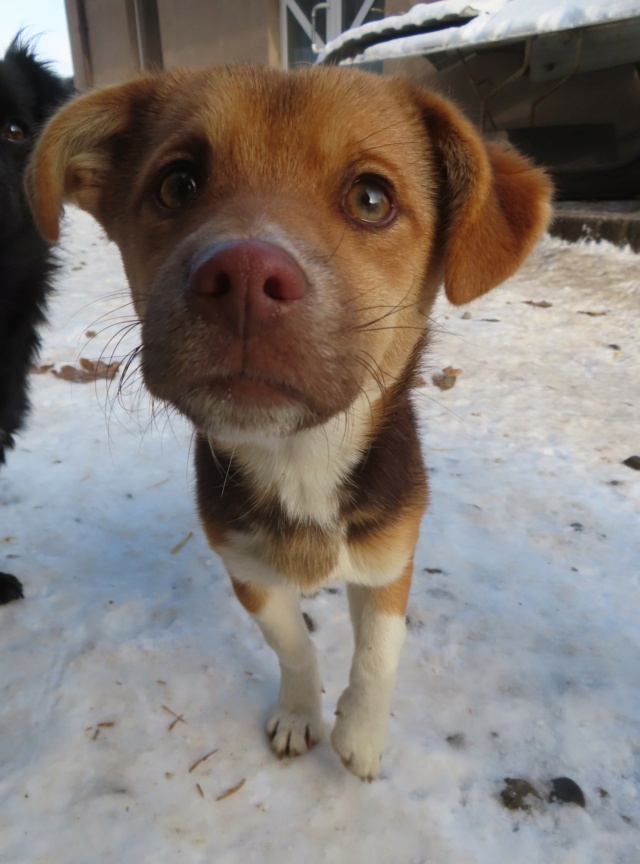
(129, 660)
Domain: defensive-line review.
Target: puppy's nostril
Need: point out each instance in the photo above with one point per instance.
(274, 288)
(221, 284)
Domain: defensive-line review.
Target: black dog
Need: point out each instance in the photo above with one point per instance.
(29, 93)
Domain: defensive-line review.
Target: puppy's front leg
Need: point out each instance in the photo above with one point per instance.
(296, 723)
(378, 618)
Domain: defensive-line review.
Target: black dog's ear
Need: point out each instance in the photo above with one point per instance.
(50, 89)
(74, 158)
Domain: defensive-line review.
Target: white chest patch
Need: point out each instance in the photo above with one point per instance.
(305, 470)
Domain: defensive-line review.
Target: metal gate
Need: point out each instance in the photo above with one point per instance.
(306, 25)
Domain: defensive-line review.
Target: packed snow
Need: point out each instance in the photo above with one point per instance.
(493, 21)
(134, 688)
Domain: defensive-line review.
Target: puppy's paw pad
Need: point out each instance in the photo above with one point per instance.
(293, 734)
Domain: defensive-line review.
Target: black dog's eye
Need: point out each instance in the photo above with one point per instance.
(369, 201)
(14, 131)
(178, 186)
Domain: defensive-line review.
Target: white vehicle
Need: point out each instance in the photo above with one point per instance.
(558, 78)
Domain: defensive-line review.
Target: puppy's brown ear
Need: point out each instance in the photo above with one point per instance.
(73, 158)
(495, 203)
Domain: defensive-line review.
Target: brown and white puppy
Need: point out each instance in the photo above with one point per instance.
(284, 236)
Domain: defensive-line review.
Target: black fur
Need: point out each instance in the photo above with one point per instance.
(29, 93)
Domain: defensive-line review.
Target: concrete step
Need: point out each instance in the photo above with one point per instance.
(615, 221)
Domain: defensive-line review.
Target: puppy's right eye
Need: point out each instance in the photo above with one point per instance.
(14, 131)
(178, 186)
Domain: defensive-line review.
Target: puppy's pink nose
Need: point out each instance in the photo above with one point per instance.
(248, 283)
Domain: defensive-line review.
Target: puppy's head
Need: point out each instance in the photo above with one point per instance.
(29, 93)
(284, 235)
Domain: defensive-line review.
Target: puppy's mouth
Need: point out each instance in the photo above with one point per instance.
(228, 407)
(248, 390)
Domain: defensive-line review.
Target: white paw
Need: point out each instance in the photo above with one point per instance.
(293, 734)
(359, 735)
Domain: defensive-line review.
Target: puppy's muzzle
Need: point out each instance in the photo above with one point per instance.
(247, 284)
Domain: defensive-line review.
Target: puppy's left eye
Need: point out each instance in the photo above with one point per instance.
(178, 186)
(14, 131)
(369, 201)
